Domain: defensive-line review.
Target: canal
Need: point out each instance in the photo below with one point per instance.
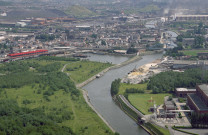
(100, 97)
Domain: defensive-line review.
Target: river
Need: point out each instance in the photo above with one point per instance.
(100, 97)
(170, 42)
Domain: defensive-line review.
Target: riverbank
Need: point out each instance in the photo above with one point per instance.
(87, 99)
(132, 112)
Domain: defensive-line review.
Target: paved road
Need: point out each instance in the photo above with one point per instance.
(198, 131)
(130, 106)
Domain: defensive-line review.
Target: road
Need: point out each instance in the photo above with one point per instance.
(130, 106)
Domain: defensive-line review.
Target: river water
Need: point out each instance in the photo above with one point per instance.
(100, 97)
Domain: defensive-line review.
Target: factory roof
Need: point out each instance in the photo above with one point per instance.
(191, 15)
(204, 88)
(198, 102)
(185, 89)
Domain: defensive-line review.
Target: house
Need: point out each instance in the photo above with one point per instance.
(188, 41)
(165, 110)
(168, 106)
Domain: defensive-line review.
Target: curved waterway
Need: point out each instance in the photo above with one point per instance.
(100, 97)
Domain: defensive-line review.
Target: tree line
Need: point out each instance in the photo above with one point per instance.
(45, 37)
(115, 86)
(134, 90)
(54, 58)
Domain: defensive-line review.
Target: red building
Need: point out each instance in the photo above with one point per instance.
(28, 54)
(182, 92)
(199, 100)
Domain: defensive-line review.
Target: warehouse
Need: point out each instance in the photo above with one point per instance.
(199, 100)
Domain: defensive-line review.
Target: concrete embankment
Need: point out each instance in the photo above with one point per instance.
(87, 99)
(107, 69)
(132, 112)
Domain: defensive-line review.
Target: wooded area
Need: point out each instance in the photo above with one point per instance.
(166, 82)
(23, 121)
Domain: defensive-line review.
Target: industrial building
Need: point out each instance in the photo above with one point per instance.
(191, 17)
(199, 101)
(166, 110)
(182, 92)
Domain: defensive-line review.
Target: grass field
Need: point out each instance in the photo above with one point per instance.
(142, 101)
(125, 86)
(193, 52)
(149, 8)
(157, 129)
(80, 12)
(83, 119)
(83, 70)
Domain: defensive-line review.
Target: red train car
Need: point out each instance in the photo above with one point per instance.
(28, 54)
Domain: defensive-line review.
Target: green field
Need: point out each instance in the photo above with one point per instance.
(124, 86)
(149, 8)
(158, 130)
(83, 70)
(83, 119)
(39, 84)
(142, 101)
(79, 12)
(193, 52)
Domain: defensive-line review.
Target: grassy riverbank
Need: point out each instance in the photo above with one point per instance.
(158, 130)
(83, 70)
(142, 101)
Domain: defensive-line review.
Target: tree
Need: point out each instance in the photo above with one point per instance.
(199, 42)
(131, 50)
(115, 87)
(179, 38)
(103, 42)
(94, 35)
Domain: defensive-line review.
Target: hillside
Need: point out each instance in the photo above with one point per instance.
(79, 12)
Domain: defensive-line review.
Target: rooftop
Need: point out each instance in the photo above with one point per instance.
(198, 102)
(204, 88)
(191, 15)
(185, 89)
